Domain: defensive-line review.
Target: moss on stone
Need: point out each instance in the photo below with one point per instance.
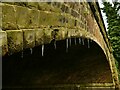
(15, 40)
(34, 18)
(22, 17)
(28, 38)
(8, 17)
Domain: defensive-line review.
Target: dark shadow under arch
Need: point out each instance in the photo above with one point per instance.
(78, 66)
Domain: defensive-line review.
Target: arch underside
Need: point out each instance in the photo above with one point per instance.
(80, 64)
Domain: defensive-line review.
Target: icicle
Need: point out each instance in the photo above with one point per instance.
(83, 41)
(70, 41)
(66, 45)
(88, 43)
(42, 50)
(79, 40)
(31, 51)
(75, 41)
(55, 44)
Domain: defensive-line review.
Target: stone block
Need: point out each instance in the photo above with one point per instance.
(15, 41)
(8, 17)
(34, 18)
(74, 13)
(74, 32)
(71, 33)
(22, 17)
(47, 35)
(39, 37)
(49, 19)
(63, 33)
(28, 38)
(71, 22)
(55, 19)
(3, 43)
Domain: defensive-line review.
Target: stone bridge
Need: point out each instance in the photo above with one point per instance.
(70, 34)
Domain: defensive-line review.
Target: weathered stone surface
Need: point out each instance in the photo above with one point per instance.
(65, 8)
(34, 18)
(22, 17)
(3, 43)
(15, 41)
(56, 4)
(63, 33)
(70, 32)
(55, 19)
(71, 22)
(49, 19)
(28, 38)
(8, 17)
(0, 16)
(59, 33)
(48, 7)
(39, 37)
(47, 35)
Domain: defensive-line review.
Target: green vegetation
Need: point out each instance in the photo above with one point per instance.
(113, 19)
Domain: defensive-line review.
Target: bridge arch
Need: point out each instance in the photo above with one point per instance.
(79, 65)
(71, 23)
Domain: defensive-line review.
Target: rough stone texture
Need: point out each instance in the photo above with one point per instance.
(55, 19)
(59, 33)
(64, 33)
(32, 5)
(8, 17)
(3, 43)
(0, 16)
(15, 41)
(71, 21)
(49, 19)
(49, 7)
(47, 35)
(68, 17)
(34, 18)
(28, 38)
(22, 17)
(39, 35)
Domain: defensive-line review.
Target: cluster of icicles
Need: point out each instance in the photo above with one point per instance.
(68, 44)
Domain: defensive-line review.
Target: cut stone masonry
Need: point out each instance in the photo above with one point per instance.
(27, 24)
